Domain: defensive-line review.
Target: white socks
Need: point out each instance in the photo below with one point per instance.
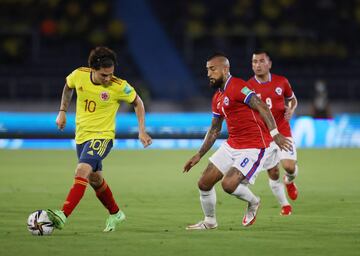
(278, 189)
(208, 203)
(244, 193)
(290, 177)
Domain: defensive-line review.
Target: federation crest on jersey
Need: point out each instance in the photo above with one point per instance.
(226, 101)
(245, 91)
(278, 90)
(105, 96)
(127, 89)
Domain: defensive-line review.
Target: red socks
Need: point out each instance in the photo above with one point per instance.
(75, 195)
(78, 190)
(106, 197)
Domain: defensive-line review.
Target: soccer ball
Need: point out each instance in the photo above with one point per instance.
(39, 223)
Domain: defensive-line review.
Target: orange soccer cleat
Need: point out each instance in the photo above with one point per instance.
(292, 190)
(286, 210)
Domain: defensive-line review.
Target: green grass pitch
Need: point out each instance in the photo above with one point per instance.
(159, 201)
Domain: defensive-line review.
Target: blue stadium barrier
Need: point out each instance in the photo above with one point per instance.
(342, 131)
(127, 144)
(174, 124)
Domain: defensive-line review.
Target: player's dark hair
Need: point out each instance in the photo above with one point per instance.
(215, 55)
(262, 51)
(102, 57)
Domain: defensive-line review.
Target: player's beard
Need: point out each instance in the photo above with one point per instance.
(216, 83)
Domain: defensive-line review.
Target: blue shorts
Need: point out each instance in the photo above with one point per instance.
(93, 152)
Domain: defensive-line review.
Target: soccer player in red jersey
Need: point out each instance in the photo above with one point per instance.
(276, 91)
(247, 149)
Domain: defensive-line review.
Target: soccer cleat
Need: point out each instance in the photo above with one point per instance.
(250, 214)
(286, 210)
(202, 225)
(291, 190)
(57, 217)
(113, 220)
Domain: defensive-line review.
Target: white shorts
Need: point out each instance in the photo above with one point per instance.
(248, 161)
(292, 155)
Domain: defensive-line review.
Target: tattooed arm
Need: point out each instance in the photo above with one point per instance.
(210, 138)
(65, 102)
(265, 113)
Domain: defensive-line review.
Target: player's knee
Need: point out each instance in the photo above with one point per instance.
(274, 173)
(94, 184)
(289, 167)
(204, 186)
(228, 186)
(95, 181)
(83, 170)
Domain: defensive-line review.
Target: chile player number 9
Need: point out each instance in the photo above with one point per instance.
(268, 102)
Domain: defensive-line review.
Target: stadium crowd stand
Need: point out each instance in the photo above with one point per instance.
(42, 41)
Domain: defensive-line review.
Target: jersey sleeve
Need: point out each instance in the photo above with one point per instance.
(214, 107)
(71, 79)
(127, 92)
(288, 92)
(244, 93)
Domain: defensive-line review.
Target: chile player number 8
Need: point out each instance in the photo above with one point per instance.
(244, 162)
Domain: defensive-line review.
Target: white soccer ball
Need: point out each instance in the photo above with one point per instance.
(39, 223)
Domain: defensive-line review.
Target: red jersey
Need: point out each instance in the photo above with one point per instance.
(245, 126)
(273, 93)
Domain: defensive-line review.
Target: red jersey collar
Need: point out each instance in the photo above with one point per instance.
(270, 78)
(226, 84)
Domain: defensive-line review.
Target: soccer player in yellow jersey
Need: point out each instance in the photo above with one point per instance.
(99, 93)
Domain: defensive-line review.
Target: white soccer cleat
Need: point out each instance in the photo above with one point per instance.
(250, 214)
(202, 225)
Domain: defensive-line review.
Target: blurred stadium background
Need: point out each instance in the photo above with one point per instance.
(162, 47)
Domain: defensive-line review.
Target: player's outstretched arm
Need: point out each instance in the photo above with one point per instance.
(264, 111)
(65, 102)
(210, 138)
(140, 114)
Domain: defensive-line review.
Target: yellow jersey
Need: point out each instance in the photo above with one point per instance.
(96, 105)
